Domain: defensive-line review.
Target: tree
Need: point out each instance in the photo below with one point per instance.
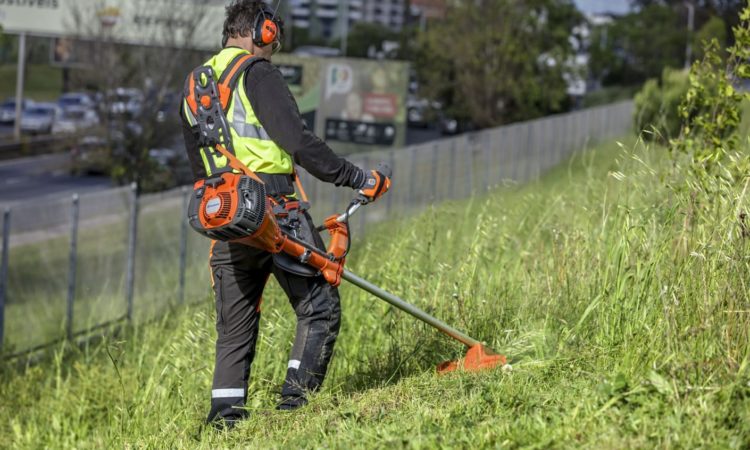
(715, 28)
(153, 75)
(638, 46)
(364, 35)
(497, 61)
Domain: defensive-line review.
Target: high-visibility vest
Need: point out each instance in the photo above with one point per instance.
(252, 145)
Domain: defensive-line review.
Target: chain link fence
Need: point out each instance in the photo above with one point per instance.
(69, 266)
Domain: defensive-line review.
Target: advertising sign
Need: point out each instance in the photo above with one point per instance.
(363, 104)
(170, 23)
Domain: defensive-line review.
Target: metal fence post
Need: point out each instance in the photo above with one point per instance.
(452, 177)
(4, 273)
(434, 176)
(132, 236)
(389, 198)
(514, 152)
(469, 166)
(183, 246)
(527, 160)
(487, 160)
(413, 177)
(72, 265)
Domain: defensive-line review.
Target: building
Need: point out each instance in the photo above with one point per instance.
(323, 17)
(389, 13)
(428, 9)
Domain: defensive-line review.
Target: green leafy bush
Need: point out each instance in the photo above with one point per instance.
(657, 106)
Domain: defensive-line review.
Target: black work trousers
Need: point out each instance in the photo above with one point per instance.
(239, 274)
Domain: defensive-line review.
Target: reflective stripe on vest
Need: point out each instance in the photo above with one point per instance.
(252, 144)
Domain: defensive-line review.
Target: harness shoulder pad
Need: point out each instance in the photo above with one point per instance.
(226, 83)
(230, 76)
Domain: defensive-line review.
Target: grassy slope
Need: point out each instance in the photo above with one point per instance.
(43, 82)
(625, 328)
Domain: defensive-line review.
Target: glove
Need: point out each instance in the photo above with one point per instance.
(377, 183)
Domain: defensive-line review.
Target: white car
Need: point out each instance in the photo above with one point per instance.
(8, 110)
(126, 101)
(75, 119)
(39, 118)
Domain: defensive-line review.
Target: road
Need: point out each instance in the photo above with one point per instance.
(43, 176)
(48, 176)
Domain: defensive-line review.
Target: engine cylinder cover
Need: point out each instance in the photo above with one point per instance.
(229, 207)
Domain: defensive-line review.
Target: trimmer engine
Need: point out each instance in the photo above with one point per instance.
(233, 207)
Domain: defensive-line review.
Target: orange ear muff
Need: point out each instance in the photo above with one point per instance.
(269, 31)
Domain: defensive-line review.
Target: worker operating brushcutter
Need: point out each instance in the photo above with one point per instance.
(268, 136)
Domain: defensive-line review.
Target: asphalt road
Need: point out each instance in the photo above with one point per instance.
(43, 176)
(48, 175)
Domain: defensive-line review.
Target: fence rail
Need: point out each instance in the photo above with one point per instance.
(71, 265)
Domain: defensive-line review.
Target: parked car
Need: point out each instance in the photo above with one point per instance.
(125, 101)
(39, 118)
(8, 110)
(75, 119)
(91, 156)
(174, 162)
(76, 100)
(317, 51)
(168, 108)
(451, 126)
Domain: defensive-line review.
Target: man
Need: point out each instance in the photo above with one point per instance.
(269, 136)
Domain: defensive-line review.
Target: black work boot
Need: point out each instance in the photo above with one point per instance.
(291, 402)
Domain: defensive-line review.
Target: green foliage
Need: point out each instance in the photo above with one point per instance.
(624, 331)
(364, 35)
(609, 94)
(712, 110)
(714, 29)
(656, 106)
(638, 46)
(43, 82)
(497, 61)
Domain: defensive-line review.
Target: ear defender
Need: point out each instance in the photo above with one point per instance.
(265, 30)
(270, 30)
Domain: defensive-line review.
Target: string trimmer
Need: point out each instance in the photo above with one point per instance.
(234, 207)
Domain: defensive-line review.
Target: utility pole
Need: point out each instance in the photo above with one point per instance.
(691, 28)
(19, 85)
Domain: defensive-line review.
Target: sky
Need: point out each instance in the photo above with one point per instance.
(599, 6)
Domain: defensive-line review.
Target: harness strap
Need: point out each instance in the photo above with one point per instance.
(226, 85)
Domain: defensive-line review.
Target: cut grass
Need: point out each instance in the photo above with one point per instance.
(627, 327)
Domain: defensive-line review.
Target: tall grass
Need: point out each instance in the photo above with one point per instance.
(624, 313)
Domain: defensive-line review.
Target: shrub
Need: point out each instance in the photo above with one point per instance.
(657, 105)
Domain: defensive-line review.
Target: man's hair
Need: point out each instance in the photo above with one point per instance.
(240, 19)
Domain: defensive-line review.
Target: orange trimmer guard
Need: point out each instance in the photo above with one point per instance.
(477, 358)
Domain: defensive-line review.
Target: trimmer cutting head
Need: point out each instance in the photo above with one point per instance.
(477, 358)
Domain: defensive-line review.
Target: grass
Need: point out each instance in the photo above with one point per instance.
(625, 312)
(38, 271)
(42, 82)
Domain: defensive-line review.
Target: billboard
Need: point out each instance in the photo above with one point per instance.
(363, 104)
(170, 23)
(354, 104)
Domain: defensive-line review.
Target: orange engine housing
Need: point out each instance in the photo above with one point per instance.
(234, 207)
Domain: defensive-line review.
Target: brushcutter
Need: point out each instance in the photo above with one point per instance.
(235, 207)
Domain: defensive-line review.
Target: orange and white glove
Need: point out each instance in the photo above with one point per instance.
(377, 182)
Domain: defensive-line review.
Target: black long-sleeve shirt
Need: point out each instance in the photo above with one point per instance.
(279, 115)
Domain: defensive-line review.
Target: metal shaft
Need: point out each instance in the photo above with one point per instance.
(409, 308)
